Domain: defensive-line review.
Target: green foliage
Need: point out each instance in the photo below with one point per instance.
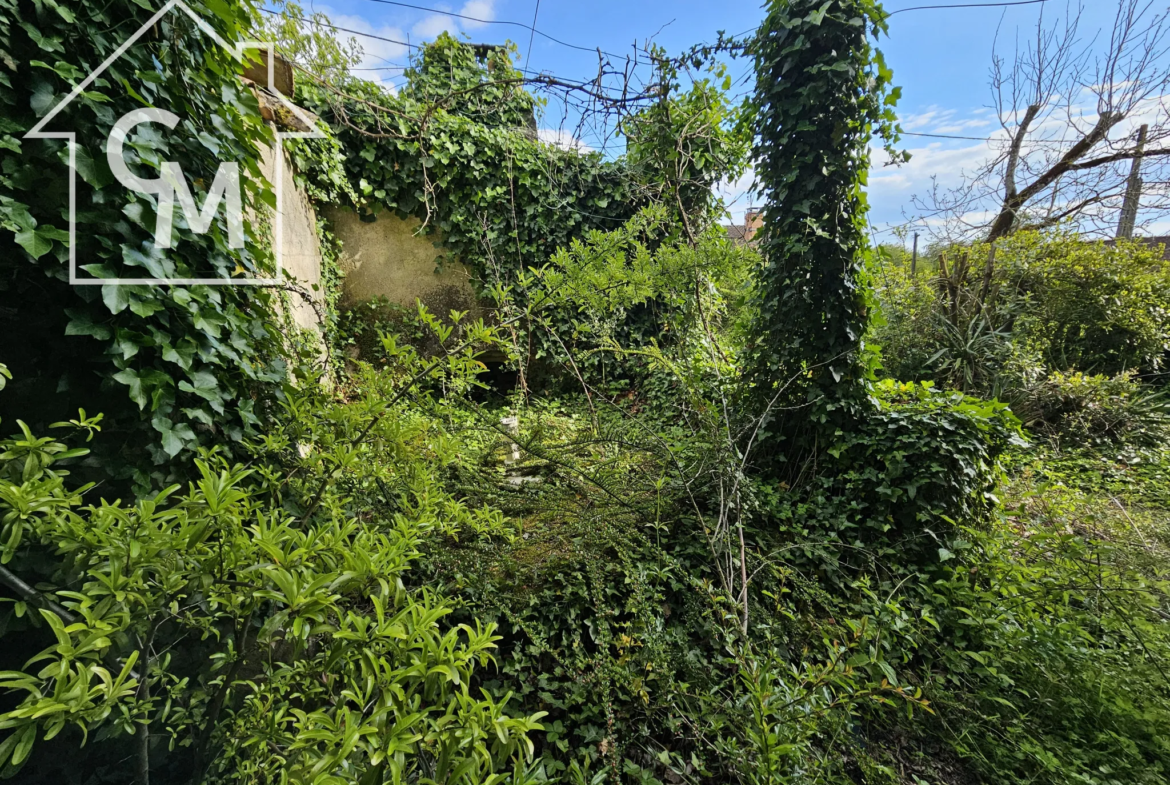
(458, 149)
(1091, 307)
(822, 90)
(897, 484)
(683, 145)
(470, 175)
(261, 619)
(308, 42)
(463, 81)
(382, 593)
(174, 368)
(904, 326)
(1050, 302)
(1095, 411)
(1054, 659)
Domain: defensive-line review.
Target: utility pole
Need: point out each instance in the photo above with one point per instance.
(1133, 190)
(914, 257)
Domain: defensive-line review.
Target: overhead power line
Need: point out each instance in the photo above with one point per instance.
(1001, 140)
(951, 136)
(965, 5)
(352, 32)
(532, 34)
(531, 28)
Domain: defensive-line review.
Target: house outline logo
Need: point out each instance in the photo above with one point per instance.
(70, 137)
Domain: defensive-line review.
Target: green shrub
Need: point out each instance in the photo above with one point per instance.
(890, 491)
(1050, 665)
(1092, 307)
(906, 327)
(1077, 410)
(257, 621)
(1051, 300)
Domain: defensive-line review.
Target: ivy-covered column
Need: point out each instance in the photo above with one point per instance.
(821, 92)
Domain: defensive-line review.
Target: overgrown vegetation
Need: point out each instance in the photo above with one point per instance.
(787, 514)
(171, 368)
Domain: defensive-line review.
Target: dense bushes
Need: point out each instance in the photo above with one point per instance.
(1087, 306)
(893, 488)
(1059, 328)
(1066, 304)
(257, 621)
(1076, 410)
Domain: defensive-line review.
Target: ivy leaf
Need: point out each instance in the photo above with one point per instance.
(128, 346)
(181, 353)
(206, 386)
(129, 378)
(97, 175)
(152, 262)
(34, 242)
(116, 297)
(81, 324)
(174, 439)
(48, 43)
(145, 307)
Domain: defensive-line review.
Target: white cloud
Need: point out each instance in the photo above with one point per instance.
(384, 55)
(431, 26)
(937, 120)
(479, 9)
(562, 139)
(375, 53)
(944, 162)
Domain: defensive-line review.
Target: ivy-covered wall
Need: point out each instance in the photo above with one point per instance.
(171, 367)
(455, 151)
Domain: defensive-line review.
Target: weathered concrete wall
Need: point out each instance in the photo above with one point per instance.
(386, 258)
(300, 248)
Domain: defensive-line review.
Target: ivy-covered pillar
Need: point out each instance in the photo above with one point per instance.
(821, 92)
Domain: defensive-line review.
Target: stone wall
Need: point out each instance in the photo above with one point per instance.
(300, 249)
(388, 258)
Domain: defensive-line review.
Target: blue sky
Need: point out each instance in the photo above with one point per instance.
(939, 57)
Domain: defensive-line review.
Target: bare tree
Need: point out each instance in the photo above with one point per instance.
(1069, 104)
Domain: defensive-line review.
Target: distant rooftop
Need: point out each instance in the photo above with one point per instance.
(753, 221)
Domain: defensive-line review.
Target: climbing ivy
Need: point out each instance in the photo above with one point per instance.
(497, 198)
(458, 149)
(172, 367)
(822, 91)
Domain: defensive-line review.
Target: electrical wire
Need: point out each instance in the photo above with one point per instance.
(532, 35)
(352, 32)
(532, 28)
(964, 5)
(1001, 140)
(950, 136)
